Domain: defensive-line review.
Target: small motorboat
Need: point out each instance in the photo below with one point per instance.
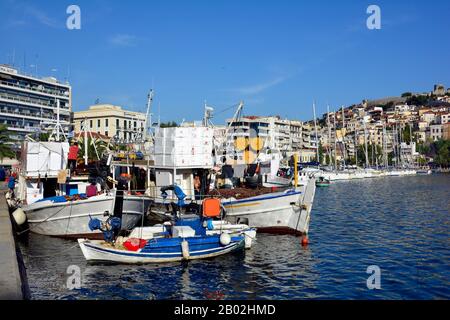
(187, 238)
(424, 171)
(321, 182)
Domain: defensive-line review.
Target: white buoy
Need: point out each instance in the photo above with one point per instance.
(19, 216)
(225, 239)
(185, 249)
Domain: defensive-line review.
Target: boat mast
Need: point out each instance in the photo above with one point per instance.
(85, 142)
(344, 152)
(329, 134)
(148, 116)
(315, 128)
(335, 141)
(385, 158)
(236, 116)
(365, 144)
(57, 129)
(356, 145)
(57, 119)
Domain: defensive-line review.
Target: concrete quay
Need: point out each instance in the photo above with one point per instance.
(13, 283)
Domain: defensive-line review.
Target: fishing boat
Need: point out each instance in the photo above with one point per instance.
(68, 216)
(186, 239)
(285, 211)
(55, 201)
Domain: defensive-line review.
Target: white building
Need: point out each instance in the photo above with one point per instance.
(436, 132)
(29, 104)
(112, 121)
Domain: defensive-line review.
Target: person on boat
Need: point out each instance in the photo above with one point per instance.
(92, 190)
(252, 178)
(227, 175)
(197, 187)
(73, 156)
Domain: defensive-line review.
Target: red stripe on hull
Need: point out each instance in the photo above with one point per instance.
(280, 231)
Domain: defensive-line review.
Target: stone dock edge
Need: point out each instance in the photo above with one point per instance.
(13, 277)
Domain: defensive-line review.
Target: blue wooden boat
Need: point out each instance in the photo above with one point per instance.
(186, 239)
(161, 250)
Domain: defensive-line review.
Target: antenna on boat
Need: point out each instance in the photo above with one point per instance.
(85, 142)
(148, 116)
(207, 115)
(57, 129)
(236, 117)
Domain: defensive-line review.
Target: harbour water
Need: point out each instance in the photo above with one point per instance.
(401, 224)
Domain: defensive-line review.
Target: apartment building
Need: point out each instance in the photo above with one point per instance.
(112, 121)
(29, 105)
(295, 128)
(436, 132)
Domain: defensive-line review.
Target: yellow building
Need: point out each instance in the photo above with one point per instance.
(111, 121)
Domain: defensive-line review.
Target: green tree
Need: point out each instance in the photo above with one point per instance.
(406, 134)
(417, 100)
(5, 144)
(100, 145)
(321, 152)
(362, 155)
(328, 159)
(44, 136)
(424, 148)
(443, 153)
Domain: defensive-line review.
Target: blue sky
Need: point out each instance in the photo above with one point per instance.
(276, 56)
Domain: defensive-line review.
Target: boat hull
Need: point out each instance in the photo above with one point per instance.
(71, 219)
(282, 212)
(160, 250)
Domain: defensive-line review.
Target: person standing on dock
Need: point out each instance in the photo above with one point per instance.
(12, 183)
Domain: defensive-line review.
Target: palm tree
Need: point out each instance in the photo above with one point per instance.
(100, 145)
(5, 146)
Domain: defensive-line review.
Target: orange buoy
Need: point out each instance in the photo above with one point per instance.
(304, 241)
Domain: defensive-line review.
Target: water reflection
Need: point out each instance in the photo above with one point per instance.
(400, 224)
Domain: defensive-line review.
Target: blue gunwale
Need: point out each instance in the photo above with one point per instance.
(233, 245)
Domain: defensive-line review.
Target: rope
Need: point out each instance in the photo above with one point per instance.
(37, 223)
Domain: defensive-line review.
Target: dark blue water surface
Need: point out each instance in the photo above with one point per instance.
(400, 224)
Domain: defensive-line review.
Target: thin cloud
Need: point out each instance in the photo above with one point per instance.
(24, 14)
(41, 17)
(260, 87)
(123, 40)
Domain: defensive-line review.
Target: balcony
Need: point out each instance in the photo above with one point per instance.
(50, 93)
(31, 102)
(15, 127)
(127, 129)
